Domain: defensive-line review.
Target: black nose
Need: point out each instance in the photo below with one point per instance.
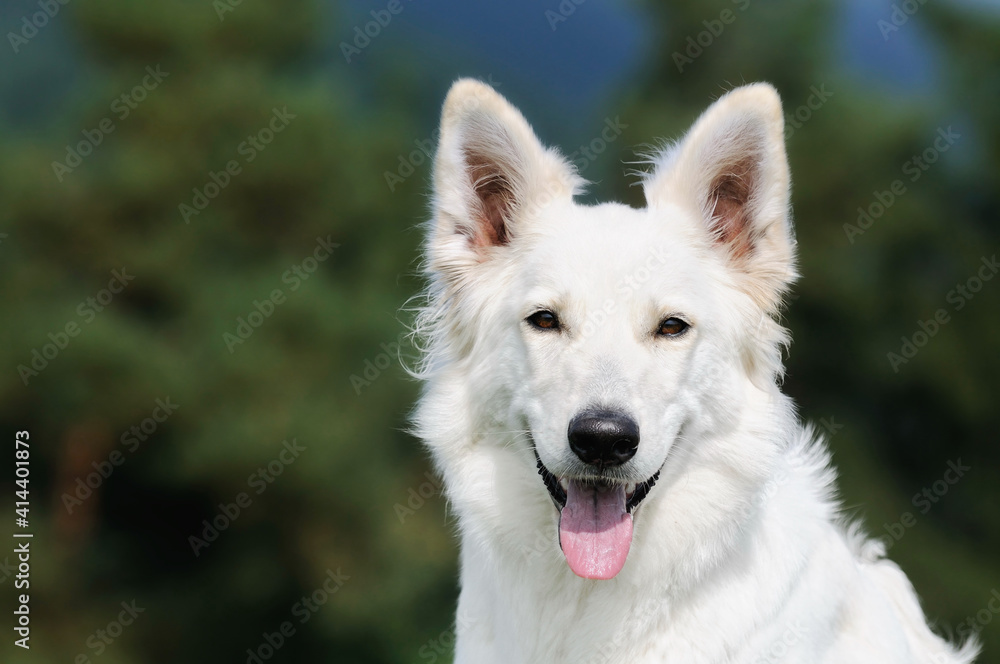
(603, 438)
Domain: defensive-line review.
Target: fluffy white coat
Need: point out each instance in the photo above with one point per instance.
(738, 553)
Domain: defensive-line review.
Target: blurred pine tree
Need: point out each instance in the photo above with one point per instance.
(262, 332)
(268, 226)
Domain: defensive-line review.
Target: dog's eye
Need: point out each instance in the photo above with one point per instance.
(672, 327)
(544, 320)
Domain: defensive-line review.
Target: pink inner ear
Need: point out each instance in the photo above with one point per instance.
(729, 197)
(495, 200)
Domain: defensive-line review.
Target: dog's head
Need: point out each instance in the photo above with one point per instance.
(607, 334)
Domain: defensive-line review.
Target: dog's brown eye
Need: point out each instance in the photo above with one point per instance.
(672, 327)
(544, 320)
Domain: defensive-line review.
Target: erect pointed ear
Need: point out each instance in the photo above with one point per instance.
(491, 176)
(731, 169)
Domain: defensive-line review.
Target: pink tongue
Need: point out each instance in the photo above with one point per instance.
(595, 530)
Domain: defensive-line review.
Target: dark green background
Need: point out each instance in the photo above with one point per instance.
(335, 506)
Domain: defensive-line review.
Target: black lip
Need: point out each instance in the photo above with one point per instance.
(641, 491)
(551, 483)
(559, 495)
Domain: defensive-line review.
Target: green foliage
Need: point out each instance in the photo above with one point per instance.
(318, 371)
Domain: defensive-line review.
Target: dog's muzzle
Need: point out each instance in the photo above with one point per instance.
(595, 519)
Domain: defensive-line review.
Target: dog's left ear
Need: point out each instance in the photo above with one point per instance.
(731, 169)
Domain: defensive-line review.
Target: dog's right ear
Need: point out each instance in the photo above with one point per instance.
(491, 177)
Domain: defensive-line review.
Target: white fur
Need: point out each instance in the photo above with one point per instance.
(739, 552)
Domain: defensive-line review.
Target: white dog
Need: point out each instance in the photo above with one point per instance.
(601, 399)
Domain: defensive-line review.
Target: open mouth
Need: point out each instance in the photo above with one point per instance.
(595, 520)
